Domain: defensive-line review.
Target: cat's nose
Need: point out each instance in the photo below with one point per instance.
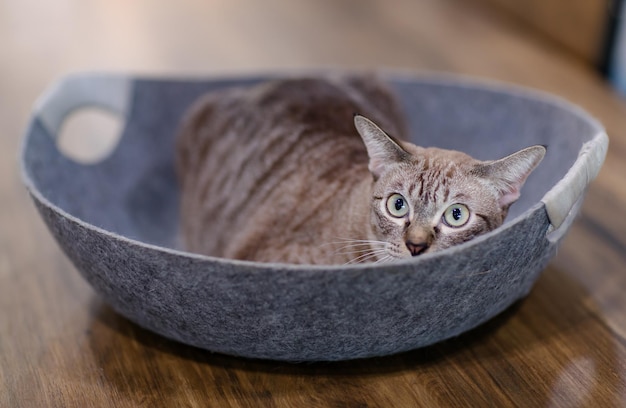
(416, 248)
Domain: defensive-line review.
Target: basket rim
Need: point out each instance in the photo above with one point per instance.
(394, 76)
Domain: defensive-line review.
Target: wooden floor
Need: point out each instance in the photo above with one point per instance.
(60, 346)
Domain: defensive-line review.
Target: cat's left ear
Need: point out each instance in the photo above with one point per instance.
(382, 149)
(510, 173)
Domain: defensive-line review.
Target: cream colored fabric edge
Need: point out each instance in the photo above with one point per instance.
(560, 200)
(112, 92)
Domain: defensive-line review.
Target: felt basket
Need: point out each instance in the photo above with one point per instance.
(117, 221)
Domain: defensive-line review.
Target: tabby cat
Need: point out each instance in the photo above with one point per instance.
(284, 171)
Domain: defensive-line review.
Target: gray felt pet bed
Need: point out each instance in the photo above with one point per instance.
(117, 221)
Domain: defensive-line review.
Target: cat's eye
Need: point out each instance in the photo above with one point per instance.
(397, 206)
(456, 215)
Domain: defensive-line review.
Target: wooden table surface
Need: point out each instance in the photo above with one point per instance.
(61, 346)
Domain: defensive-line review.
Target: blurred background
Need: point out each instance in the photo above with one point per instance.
(42, 41)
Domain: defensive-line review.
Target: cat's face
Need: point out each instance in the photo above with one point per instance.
(425, 200)
(432, 202)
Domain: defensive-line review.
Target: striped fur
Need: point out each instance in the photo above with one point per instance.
(278, 173)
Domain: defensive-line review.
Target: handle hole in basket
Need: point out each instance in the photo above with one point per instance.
(89, 135)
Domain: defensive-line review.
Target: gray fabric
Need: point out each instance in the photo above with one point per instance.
(116, 221)
(110, 92)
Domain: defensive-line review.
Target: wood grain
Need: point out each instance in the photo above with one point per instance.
(60, 346)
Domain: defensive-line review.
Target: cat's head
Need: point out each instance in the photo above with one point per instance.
(428, 199)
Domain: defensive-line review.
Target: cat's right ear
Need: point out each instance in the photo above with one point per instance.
(382, 149)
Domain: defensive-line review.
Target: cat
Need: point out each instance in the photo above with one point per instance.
(301, 171)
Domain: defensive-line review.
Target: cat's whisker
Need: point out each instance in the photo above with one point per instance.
(350, 241)
(358, 245)
(354, 248)
(384, 259)
(366, 254)
(380, 260)
(366, 257)
(356, 260)
(360, 242)
(357, 240)
(363, 249)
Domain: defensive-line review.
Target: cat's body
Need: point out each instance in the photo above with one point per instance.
(278, 173)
